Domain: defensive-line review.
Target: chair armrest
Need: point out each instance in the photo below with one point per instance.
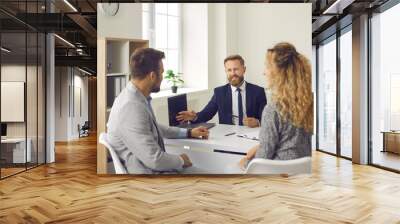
(267, 166)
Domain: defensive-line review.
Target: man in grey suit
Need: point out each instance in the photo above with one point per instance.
(132, 127)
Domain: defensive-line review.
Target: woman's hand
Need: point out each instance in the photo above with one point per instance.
(243, 163)
(249, 156)
(252, 152)
(251, 122)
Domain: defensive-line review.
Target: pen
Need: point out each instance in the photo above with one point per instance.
(230, 134)
(245, 136)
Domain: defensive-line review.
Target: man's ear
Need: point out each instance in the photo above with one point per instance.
(153, 76)
(245, 69)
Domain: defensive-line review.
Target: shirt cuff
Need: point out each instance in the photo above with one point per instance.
(195, 119)
(182, 133)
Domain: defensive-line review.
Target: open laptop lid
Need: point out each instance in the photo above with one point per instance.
(3, 129)
(176, 104)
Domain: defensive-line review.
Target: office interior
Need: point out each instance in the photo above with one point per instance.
(49, 69)
(198, 52)
(47, 81)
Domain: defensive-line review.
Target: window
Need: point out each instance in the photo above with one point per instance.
(327, 96)
(314, 89)
(385, 88)
(22, 75)
(394, 101)
(346, 94)
(162, 27)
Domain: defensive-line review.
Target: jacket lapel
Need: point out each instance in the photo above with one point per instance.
(248, 100)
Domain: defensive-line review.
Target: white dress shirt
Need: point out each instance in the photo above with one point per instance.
(235, 106)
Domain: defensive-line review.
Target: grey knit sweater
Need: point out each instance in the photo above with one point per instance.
(281, 140)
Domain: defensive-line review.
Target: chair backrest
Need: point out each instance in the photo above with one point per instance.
(119, 168)
(86, 125)
(266, 166)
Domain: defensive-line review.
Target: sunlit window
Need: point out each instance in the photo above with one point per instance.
(327, 96)
(161, 26)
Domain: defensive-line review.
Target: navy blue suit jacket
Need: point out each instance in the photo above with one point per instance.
(221, 102)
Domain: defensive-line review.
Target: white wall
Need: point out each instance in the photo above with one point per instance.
(261, 26)
(18, 73)
(61, 103)
(217, 47)
(125, 24)
(33, 126)
(194, 45)
(68, 80)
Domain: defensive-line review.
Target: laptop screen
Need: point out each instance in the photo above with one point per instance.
(3, 129)
(176, 104)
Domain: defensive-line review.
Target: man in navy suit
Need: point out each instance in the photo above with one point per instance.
(238, 102)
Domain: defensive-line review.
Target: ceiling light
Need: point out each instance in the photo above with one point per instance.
(338, 6)
(5, 50)
(86, 72)
(65, 41)
(70, 5)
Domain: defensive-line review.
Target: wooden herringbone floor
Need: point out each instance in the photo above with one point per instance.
(69, 191)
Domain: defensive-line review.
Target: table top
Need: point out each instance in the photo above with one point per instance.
(391, 132)
(207, 162)
(13, 140)
(218, 141)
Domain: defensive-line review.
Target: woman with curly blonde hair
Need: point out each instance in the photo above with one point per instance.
(287, 121)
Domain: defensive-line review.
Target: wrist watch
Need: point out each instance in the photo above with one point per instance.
(189, 133)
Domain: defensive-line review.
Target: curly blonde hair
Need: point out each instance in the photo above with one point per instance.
(290, 83)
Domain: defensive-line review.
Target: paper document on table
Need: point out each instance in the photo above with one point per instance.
(249, 135)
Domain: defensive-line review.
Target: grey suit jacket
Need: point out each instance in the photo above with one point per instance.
(279, 139)
(137, 138)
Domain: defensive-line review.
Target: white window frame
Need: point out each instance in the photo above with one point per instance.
(150, 34)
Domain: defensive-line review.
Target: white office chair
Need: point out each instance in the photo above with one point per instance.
(267, 166)
(119, 168)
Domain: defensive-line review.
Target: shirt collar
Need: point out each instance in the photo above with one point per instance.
(242, 87)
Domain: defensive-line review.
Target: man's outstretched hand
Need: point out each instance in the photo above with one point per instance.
(186, 116)
(199, 132)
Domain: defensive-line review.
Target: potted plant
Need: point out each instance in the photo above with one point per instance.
(175, 79)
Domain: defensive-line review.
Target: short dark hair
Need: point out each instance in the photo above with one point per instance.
(145, 60)
(234, 57)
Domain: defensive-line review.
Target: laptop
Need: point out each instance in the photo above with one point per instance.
(177, 104)
(3, 131)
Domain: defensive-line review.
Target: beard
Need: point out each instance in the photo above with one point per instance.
(155, 88)
(237, 81)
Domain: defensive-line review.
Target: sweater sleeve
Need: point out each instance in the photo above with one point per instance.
(269, 133)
